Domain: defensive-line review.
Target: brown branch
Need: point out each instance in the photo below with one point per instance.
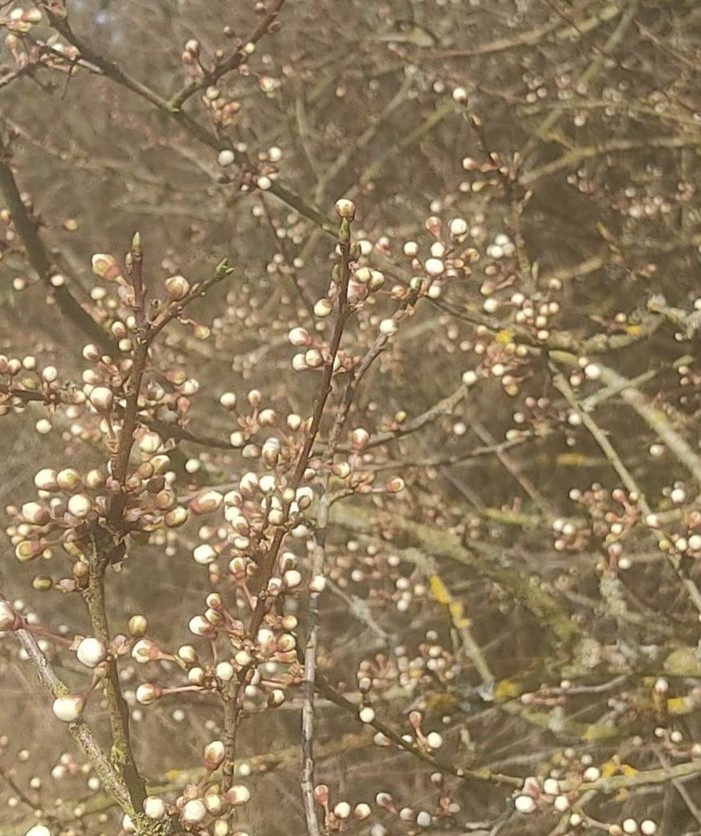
(112, 71)
(239, 57)
(41, 262)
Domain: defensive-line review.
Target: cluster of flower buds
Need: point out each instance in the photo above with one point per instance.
(204, 805)
(612, 514)
(223, 109)
(19, 21)
(448, 257)
(71, 506)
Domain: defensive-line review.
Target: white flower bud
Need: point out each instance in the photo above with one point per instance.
(434, 267)
(91, 652)
(524, 804)
(238, 795)
(323, 308)
(214, 753)
(194, 811)
(154, 807)
(45, 480)
(101, 398)
(366, 714)
(177, 287)
(38, 830)
(225, 157)
(345, 209)
(388, 327)
(79, 505)
(147, 693)
(68, 707)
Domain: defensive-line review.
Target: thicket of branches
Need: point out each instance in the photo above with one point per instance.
(360, 495)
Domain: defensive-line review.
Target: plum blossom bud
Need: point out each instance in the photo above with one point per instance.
(45, 480)
(366, 714)
(292, 579)
(345, 209)
(323, 308)
(194, 811)
(147, 693)
(199, 626)
(214, 754)
(238, 795)
(224, 671)
(460, 95)
(68, 479)
(91, 652)
(79, 505)
(388, 327)
(206, 502)
(176, 517)
(396, 484)
(377, 281)
(35, 513)
(154, 807)
(138, 625)
(27, 550)
(177, 287)
(225, 157)
(434, 740)
(458, 228)
(434, 267)
(299, 337)
(317, 584)
(362, 811)
(145, 651)
(150, 443)
(204, 554)
(342, 810)
(106, 266)
(68, 707)
(360, 438)
(228, 400)
(101, 398)
(524, 804)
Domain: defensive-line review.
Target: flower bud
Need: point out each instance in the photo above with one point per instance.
(194, 811)
(106, 266)
(79, 505)
(206, 502)
(91, 652)
(45, 480)
(101, 398)
(323, 308)
(154, 807)
(299, 337)
(68, 707)
(147, 693)
(138, 625)
(214, 754)
(238, 795)
(226, 157)
(35, 513)
(345, 209)
(359, 438)
(177, 287)
(68, 479)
